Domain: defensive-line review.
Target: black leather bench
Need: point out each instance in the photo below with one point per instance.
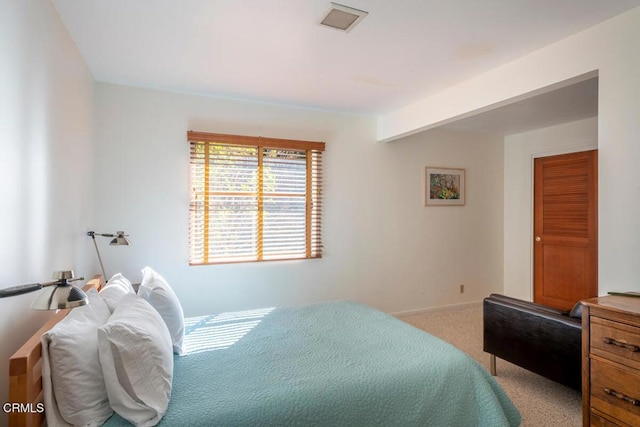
(535, 337)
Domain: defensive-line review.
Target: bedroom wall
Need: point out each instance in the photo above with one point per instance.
(45, 163)
(612, 49)
(519, 153)
(382, 246)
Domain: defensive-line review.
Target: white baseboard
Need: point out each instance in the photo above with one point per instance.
(439, 308)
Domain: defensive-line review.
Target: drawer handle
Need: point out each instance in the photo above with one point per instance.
(630, 347)
(634, 402)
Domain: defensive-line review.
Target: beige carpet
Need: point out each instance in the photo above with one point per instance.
(541, 402)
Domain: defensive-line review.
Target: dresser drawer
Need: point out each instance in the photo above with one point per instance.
(615, 391)
(597, 421)
(615, 338)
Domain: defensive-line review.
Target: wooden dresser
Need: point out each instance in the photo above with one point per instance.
(611, 361)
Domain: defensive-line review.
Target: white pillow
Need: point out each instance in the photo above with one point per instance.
(73, 386)
(120, 280)
(117, 287)
(157, 291)
(137, 361)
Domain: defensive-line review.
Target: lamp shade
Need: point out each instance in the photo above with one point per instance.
(58, 297)
(120, 239)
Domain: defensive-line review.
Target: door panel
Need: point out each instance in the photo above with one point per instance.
(565, 229)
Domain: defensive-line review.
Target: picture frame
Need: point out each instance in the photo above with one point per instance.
(443, 186)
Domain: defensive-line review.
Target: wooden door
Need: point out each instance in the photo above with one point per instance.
(565, 229)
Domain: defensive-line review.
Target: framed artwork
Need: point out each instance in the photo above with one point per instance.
(443, 186)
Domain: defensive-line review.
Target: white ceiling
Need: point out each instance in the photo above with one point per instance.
(275, 51)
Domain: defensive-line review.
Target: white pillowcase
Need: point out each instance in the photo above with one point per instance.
(119, 280)
(117, 287)
(137, 361)
(157, 291)
(73, 386)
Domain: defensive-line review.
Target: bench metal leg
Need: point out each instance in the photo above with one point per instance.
(492, 365)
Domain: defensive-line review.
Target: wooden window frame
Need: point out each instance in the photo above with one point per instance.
(200, 224)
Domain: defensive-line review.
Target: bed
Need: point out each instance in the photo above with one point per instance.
(334, 363)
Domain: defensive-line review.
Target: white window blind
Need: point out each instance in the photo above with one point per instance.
(254, 199)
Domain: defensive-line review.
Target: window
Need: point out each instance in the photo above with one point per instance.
(254, 199)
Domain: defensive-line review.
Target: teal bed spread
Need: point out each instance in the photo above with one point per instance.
(328, 364)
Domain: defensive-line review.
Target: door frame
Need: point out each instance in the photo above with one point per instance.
(519, 154)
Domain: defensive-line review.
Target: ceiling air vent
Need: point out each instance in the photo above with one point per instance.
(342, 17)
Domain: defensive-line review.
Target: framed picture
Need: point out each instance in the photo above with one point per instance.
(443, 186)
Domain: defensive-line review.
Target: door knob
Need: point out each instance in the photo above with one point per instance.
(538, 238)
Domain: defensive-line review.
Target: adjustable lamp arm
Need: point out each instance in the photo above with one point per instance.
(93, 237)
(93, 234)
(23, 289)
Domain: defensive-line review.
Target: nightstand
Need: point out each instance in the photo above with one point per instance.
(611, 361)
